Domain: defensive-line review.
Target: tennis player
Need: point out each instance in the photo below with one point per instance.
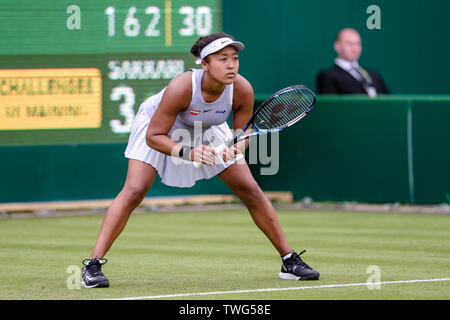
(193, 108)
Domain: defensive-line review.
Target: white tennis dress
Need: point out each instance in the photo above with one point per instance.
(202, 122)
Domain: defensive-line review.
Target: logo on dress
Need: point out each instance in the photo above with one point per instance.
(221, 111)
(195, 112)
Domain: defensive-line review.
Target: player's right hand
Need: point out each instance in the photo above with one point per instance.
(204, 154)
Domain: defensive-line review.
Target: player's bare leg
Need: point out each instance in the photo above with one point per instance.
(240, 180)
(140, 177)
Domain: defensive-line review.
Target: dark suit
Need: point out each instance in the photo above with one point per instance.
(338, 81)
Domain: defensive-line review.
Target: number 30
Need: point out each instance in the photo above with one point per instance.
(199, 20)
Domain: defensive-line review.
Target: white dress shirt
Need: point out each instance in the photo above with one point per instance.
(352, 67)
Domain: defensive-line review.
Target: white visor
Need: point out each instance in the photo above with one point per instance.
(217, 45)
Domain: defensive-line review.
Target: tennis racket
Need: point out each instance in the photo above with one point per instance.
(279, 111)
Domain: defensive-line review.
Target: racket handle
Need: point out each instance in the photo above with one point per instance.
(218, 150)
(197, 164)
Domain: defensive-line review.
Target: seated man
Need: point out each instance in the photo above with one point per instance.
(347, 76)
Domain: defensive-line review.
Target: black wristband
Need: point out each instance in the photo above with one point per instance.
(185, 152)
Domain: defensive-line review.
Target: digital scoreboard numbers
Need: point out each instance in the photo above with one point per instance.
(64, 80)
(172, 24)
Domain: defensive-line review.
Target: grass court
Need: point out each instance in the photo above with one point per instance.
(223, 255)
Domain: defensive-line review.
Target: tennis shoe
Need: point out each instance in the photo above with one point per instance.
(92, 275)
(293, 268)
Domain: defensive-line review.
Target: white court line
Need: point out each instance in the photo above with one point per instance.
(278, 289)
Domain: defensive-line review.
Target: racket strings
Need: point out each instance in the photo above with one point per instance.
(295, 105)
(285, 108)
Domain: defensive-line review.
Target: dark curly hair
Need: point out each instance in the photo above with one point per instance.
(204, 41)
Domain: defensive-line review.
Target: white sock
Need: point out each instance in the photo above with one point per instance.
(287, 256)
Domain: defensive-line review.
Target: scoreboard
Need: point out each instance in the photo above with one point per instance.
(77, 71)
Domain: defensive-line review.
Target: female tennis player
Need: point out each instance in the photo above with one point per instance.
(182, 124)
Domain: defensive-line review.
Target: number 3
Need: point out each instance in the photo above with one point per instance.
(126, 109)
